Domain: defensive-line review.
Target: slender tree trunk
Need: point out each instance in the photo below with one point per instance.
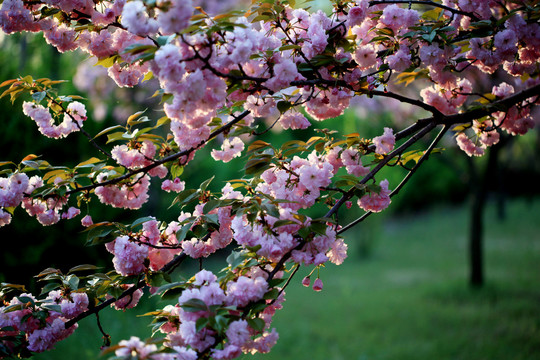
(476, 256)
(478, 193)
(480, 182)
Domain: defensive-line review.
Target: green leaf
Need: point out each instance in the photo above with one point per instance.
(211, 205)
(11, 308)
(164, 288)
(205, 184)
(132, 118)
(98, 234)
(194, 305)
(256, 324)
(103, 132)
(142, 220)
(181, 234)
(257, 145)
(272, 294)
(163, 40)
(185, 197)
(176, 171)
(235, 259)
(39, 96)
(26, 299)
(8, 82)
(283, 106)
(275, 282)
(201, 323)
(85, 267)
(108, 61)
(52, 307)
(283, 223)
(257, 165)
(156, 279)
(73, 282)
(49, 287)
(138, 48)
(289, 47)
(318, 228)
(31, 164)
(116, 136)
(221, 323)
(48, 271)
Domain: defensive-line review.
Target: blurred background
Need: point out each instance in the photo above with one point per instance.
(406, 291)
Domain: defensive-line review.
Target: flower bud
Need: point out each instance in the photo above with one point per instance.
(318, 285)
(306, 281)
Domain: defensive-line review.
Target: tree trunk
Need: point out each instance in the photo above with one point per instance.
(480, 182)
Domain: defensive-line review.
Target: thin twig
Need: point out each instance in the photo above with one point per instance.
(426, 2)
(165, 160)
(403, 182)
(286, 283)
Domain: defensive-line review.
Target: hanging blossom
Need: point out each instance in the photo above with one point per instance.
(73, 119)
(229, 150)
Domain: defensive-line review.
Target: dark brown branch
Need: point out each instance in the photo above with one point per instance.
(407, 100)
(286, 283)
(129, 292)
(424, 157)
(425, 2)
(499, 105)
(106, 337)
(349, 194)
(165, 160)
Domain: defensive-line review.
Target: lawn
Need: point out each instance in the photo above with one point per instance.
(402, 296)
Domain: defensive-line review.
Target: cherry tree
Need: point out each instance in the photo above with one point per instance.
(221, 77)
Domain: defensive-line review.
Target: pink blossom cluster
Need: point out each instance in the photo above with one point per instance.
(154, 246)
(42, 328)
(12, 189)
(176, 185)
(71, 304)
(515, 121)
(133, 158)
(310, 27)
(293, 120)
(398, 19)
(134, 347)
(328, 104)
(127, 349)
(351, 159)
(170, 18)
(447, 102)
(300, 182)
(321, 249)
(73, 118)
(385, 143)
(220, 238)
(129, 301)
(376, 201)
(49, 211)
(15, 191)
(127, 196)
(230, 149)
(206, 291)
(15, 17)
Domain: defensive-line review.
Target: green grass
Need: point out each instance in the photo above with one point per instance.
(408, 299)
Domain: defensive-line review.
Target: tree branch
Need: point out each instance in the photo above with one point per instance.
(165, 160)
(166, 268)
(424, 157)
(426, 2)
